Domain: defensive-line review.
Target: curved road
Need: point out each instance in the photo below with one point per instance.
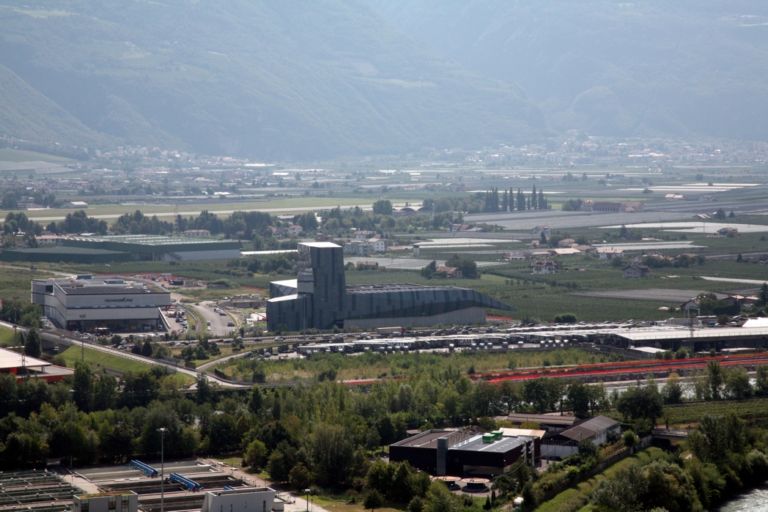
(54, 336)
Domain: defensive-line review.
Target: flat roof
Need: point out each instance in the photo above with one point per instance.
(322, 245)
(675, 333)
(476, 444)
(546, 419)
(149, 240)
(387, 288)
(10, 360)
(426, 439)
(105, 286)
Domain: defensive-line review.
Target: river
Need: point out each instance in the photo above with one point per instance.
(754, 501)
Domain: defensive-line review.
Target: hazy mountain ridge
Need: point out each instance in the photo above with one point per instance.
(267, 79)
(687, 68)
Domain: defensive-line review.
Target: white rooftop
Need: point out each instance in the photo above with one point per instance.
(10, 360)
(325, 245)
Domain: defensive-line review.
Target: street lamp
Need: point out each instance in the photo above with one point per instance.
(307, 491)
(162, 431)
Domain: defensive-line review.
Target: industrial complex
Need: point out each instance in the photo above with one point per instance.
(85, 302)
(320, 299)
(113, 248)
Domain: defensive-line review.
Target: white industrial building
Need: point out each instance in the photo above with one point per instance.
(85, 303)
(123, 501)
(242, 499)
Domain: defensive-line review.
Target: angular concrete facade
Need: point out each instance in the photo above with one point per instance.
(319, 298)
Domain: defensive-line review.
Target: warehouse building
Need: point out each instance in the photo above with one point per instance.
(159, 247)
(320, 299)
(468, 453)
(84, 303)
(117, 248)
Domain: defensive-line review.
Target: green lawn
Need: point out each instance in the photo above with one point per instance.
(7, 336)
(575, 498)
(100, 360)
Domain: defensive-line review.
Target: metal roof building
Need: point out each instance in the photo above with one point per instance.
(466, 452)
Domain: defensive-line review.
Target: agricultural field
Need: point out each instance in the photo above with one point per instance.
(754, 410)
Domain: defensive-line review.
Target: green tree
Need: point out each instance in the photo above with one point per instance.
(82, 387)
(761, 381)
(641, 402)
(429, 270)
(255, 454)
(373, 500)
(579, 398)
(672, 392)
(737, 385)
(714, 379)
(382, 207)
(32, 346)
(331, 453)
(299, 477)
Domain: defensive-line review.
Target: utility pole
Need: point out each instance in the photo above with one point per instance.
(162, 431)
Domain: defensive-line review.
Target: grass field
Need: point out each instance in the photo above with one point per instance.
(343, 503)
(7, 336)
(220, 207)
(575, 498)
(754, 410)
(371, 365)
(100, 360)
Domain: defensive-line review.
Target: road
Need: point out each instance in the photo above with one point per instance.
(54, 336)
(217, 324)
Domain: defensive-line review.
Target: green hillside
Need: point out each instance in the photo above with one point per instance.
(269, 79)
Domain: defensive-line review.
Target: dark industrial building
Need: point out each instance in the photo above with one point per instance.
(117, 248)
(467, 453)
(320, 299)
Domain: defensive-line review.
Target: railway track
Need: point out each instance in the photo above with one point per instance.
(623, 369)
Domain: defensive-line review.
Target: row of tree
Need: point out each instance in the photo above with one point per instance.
(509, 200)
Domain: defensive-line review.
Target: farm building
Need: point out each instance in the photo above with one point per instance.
(599, 430)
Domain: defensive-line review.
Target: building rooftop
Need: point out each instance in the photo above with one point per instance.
(543, 419)
(388, 288)
(641, 334)
(503, 445)
(149, 240)
(105, 286)
(589, 428)
(321, 245)
(10, 360)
